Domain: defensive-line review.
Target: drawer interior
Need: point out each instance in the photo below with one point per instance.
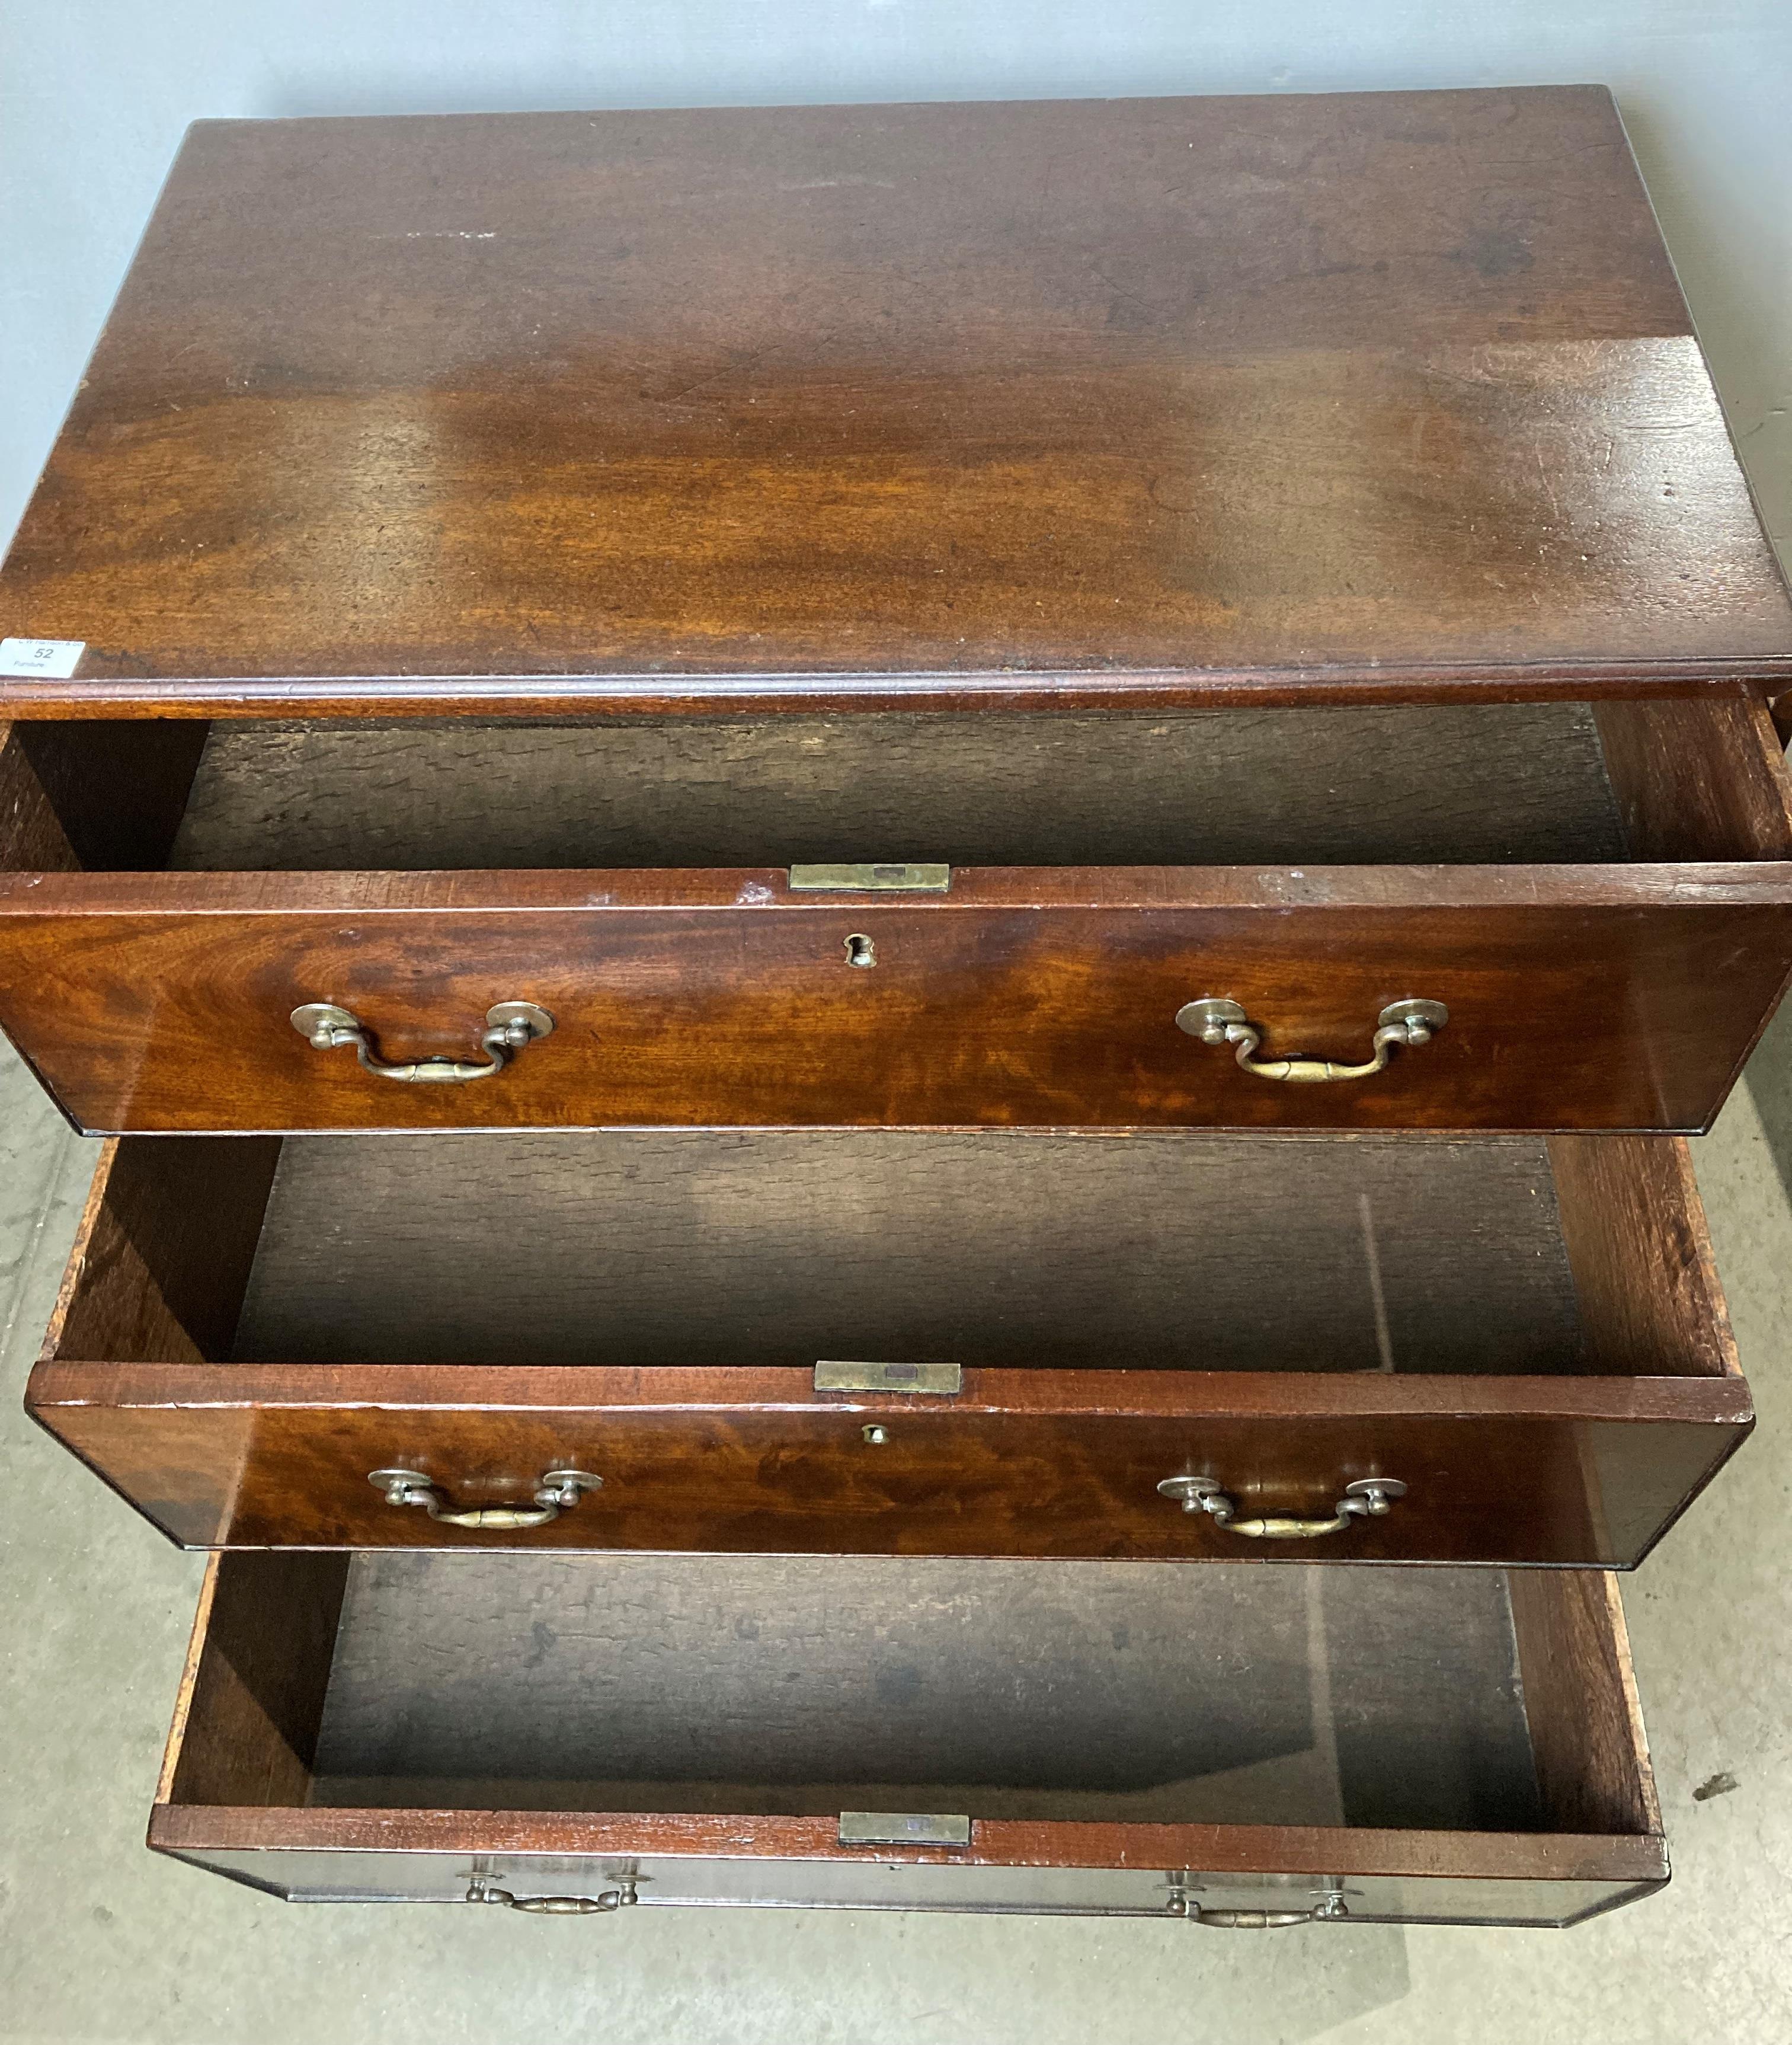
(1155, 1252)
(804, 1687)
(1162, 1250)
(1086, 1692)
(1516, 782)
(1558, 782)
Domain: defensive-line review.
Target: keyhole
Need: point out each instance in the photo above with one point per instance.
(860, 950)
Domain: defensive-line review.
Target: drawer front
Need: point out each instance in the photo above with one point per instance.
(341, 1868)
(1585, 1471)
(1584, 998)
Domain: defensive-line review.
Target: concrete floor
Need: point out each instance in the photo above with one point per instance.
(100, 1941)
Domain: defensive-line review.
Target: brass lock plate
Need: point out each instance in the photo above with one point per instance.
(903, 1828)
(945, 1378)
(924, 880)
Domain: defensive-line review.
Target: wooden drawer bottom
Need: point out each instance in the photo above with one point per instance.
(1088, 1737)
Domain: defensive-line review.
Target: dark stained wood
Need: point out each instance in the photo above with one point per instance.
(1647, 1293)
(1413, 1872)
(109, 1298)
(1140, 406)
(1422, 1717)
(807, 1686)
(1493, 782)
(1242, 1850)
(649, 1308)
(1167, 1250)
(997, 1019)
(1154, 395)
(32, 837)
(251, 1702)
(1580, 1698)
(163, 1253)
(1583, 1471)
(1037, 994)
(1012, 1866)
(92, 794)
(1595, 997)
(118, 789)
(1698, 780)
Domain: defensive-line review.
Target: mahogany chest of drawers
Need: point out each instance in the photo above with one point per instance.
(837, 877)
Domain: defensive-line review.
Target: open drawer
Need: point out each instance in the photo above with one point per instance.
(1590, 906)
(1394, 1347)
(1226, 1746)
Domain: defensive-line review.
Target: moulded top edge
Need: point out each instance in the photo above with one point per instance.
(334, 696)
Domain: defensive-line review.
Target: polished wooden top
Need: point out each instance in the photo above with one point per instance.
(1339, 396)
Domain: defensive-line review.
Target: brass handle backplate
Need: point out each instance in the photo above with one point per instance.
(1215, 1021)
(1368, 1498)
(558, 1491)
(510, 1027)
(481, 1891)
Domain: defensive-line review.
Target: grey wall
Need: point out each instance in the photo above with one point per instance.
(94, 93)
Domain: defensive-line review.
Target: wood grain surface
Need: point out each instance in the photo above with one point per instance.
(1703, 781)
(107, 793)
(1037, 995)
(807, 1687)
(1647, 1293)
(1097, 401)
(1461, 786)
(810, 1686)
(989, 1250)
(1583, 1473)
(1596, 997)
(167, 1242)
(1580, 1702)
(254, 1690)
(270, 1836)
(652, 1306)
(1013, 1867)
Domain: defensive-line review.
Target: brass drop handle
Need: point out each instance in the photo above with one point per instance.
(481, 1891)
(509, 1028)
(1330, 1907)
(1368, 1498)
(558, 1491)
(1251, 1920)
(1215, 1021)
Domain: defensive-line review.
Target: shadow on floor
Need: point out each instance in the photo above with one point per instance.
(1769, 1081)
